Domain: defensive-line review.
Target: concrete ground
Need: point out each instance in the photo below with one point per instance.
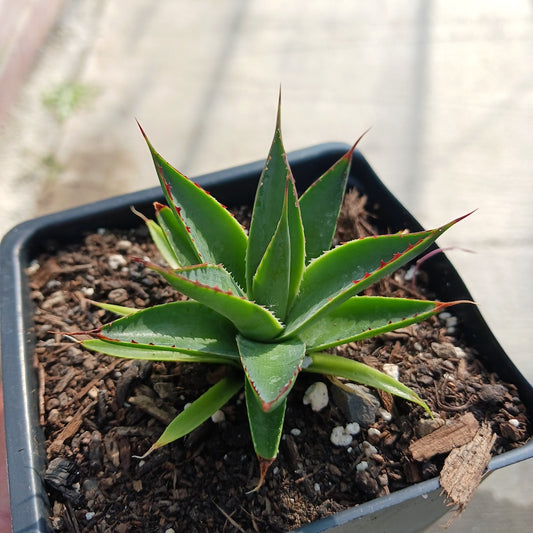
(447, 87)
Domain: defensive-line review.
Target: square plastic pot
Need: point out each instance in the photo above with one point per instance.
(407, 510)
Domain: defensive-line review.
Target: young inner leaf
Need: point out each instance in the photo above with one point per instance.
(272, 278)
(268, 205)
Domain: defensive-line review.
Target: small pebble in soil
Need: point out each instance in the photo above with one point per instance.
(90, 362)
(426, 426)
(93, 393)
(459, 352)
(53, 284)
(514, 422)
(88, 291)
(383, 480)
(90, 515)
(359, 406)
(296, 432)
(118, 296)
(124, 245)
(392, 370)
(445, 350)
(54, 416)
(218, 416)
(52, 403)
(451, 322)
(374, 435)
(33, 268)
(362, 466)
(317, 487)
(384, 415)
(492, 394)
(317, 396)
(368, 449)
(116, 261)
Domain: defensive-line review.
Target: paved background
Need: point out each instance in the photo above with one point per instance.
(447, 87)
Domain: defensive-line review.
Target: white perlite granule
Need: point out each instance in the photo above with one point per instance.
(317, 396)
(340, 437)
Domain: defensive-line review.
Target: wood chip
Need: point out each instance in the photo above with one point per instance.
(101, 374)
(62, 384)
(70, 429)
(442, 440)
(387, 400)
(465, 466)
(146, 404)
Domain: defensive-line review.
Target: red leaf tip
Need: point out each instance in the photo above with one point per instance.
(350, 152)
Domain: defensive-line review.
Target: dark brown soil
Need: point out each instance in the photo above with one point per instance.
(98, 412)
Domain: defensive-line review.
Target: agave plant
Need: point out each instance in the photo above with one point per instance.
(267, 304)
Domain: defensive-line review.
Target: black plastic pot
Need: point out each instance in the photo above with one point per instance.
(408, 510)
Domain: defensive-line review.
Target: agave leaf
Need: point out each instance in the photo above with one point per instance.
(161, 241)
(350, 268)
(279, 273)
(214, 276)
(320, 206)
(268, 204)
(297, 239)
(361, 317)
(200, 410)
(177, 237)
(115, 309)
(265, 427)
(145, 352)
(271, 369)
(335, 365)
(250, 319)
(214, 233)
(271, 281)
(188, 327)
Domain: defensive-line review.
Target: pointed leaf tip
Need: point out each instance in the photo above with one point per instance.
(278, 116)
(464, 216)
(142, 130)
(264, 465)
(445, 305)
(350, 152)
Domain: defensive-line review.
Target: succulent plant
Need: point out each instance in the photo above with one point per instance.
(267, 304)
